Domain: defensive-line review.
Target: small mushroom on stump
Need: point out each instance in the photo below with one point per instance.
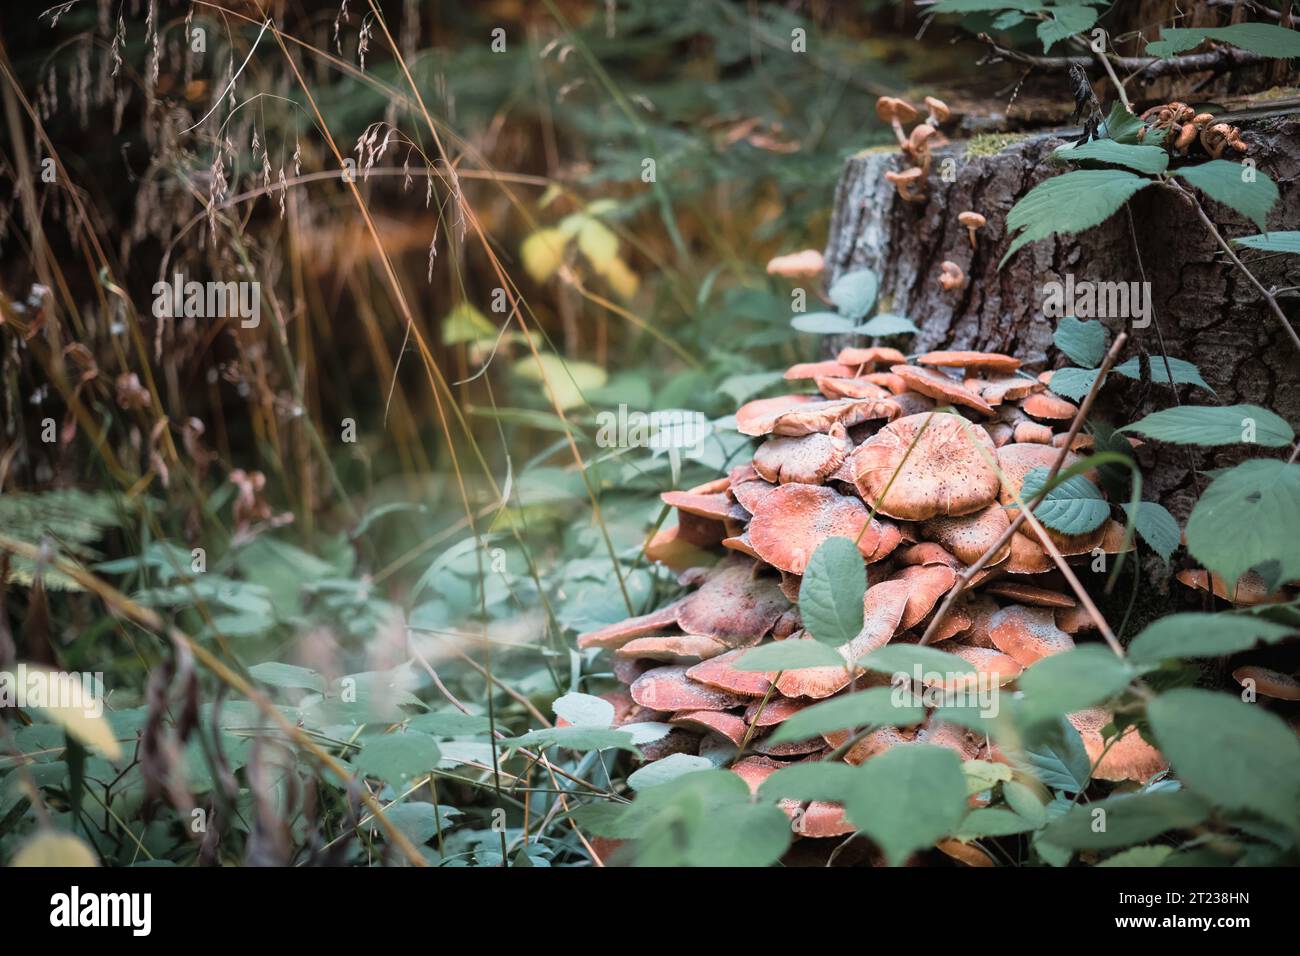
(951, 277)
(905, 181)
(939, 111)
(972, 221)
(896, 112)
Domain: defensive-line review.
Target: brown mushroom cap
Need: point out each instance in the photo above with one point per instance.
(906, 177)
(973, 220)
(940, 387)
(869, 356)
(619, 633)
(750, 490)
(938, 109)
(717, 505)
(1268, 682)
(835, 388)
(1008, 388)
(807, 370)
(927, 552)
(822, 820)
(967, 854)
(1027, 556)
(712, 721)
(757, 417)
(887, 380)
(926, 584)
(1129, 758)
(1030, 594)
(777, 710)
(732, 605)
(969, 536)
(890, 108)
(1027, 634)
(806, 264)
(720, 672)
(1249, 591)
(820, 416)
(1072, 620)
(1032, 433)
(1048, 405)
(1001, 668)
(945, 474)
(793, 521)
(873, 744)
(808, 460)
(673, 648)
(994, 361)
(675, 548)
(668, 688)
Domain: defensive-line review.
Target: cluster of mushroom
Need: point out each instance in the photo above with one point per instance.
(1182, 127)
(917, 144)
(924, 493)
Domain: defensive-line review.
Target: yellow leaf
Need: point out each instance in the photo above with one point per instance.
(78, 710)
(543, 252)
(598, 244)
(567, 380)
(52, 848)
(466, 324)
(621, 279)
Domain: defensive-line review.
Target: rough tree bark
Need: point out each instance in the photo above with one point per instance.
(1204, 307)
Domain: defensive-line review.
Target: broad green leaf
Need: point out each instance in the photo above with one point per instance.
(53, 848)
(464, 323)
(669, 768)
(420, 821)
(567, 379)
(1139, 856)
(741, 388)
(1121, 125)
(874, 706)
(584, 710)
(907, 798)
(993, 822)
(1124, 820)
(575, 738)
(1142, 159)
(1183, 372)
(287, 675)
(1203, 635)
(823, 323)
(398, 759)
(986, 6)
(830, 595)
(450, 724)
(1266, 39)
(909, 658)
(1242, 187)
(1235, 755)
(1023, 799)
(1074, 382)
(983, 775)
(1064, 23)
(1075, 506)
(789, 655)
(1070, 203)
(887, 325)
(1083, 341)
(1249, 516)
(1059, 760)
(854, 293)
(1156, 526)
(811, 780)
(1215, 425)
(1272, 242)
(1078, 678)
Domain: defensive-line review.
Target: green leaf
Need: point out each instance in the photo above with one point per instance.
(811, 780)
(1139, 856)
(985, 6)
(789, 655)
(1083, 342)
(1070, 681)
(1183, 372)
(830, 595)
(993, 822)
(873, 707)
(1156, 526)
(741, 388)
(907, 798)
(567, 378)
(1215, 425)
(667, 769)
(398, 759)
(907, 658)
(1126, 819)
(1122, 126)
(1059, 760)
(1236, 755)
(420, 821)
(1203, 635)
(854, 293)
(1272, 242)
(464, 323)
(450, 723)
(983, 775)
(1143, 159)
(1024, 800)
(1070, 203)
(887, 325)
(1243, 188)
(1075, 506)
(1249, 516)
(287, 675)
(1065, 22)
(584, 710)
(575, 738)
(1074, 382)
(823, 323)
(1266, 39)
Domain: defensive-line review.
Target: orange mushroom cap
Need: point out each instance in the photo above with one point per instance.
(1027, 634)
(969, 536)
(793, 521)
(941, 387)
